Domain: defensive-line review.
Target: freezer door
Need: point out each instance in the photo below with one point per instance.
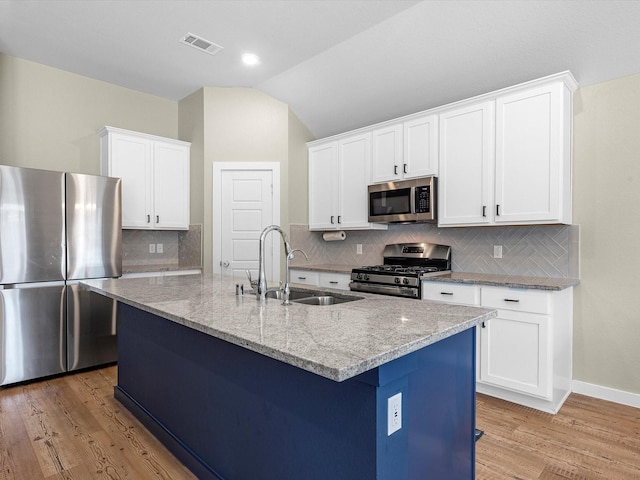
(32, 332)
(91, 328)
(32, 231)
(94, 226)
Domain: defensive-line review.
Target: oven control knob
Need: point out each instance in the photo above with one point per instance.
(359, 276)
(405, 281)
(366, 277)
(397, 280)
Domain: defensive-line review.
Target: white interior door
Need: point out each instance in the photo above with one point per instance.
(245, 205)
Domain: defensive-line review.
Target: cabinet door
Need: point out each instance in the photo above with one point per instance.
(323, 180)
(420, 147)
(387, 163)
(354, 158)
(171, 186)
(466, 156)
(515, 353)
(529, 155)
(130, 159)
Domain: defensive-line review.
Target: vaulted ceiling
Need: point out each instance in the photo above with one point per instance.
(339, 64)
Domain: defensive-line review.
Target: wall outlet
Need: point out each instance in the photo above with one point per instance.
(152, 248)
(394, 413)
(497, 251)
(159, 248)
(359, 249)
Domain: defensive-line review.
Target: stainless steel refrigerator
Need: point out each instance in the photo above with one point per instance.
(56, 229)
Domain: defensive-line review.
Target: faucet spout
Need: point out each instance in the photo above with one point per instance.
(261, 291)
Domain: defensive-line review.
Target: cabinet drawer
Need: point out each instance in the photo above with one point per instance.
(304, 277)
(335, 280)
(451, 293)
(517, 299)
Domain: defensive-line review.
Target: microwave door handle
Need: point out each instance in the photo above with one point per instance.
(412, 199)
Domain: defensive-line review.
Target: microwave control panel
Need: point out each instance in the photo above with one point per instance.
(423, 199)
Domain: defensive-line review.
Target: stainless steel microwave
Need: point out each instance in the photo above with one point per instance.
(405, 201)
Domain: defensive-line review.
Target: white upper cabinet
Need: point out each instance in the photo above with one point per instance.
(155, 178)
(505, 159)
(533, 156)
(466, 165)
(405, 149)
(339, 173)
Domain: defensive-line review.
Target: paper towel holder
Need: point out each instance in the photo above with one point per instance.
(334, 236)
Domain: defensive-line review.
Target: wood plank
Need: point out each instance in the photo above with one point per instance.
(71, 428)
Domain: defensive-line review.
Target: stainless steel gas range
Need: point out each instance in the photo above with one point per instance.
(405, 264)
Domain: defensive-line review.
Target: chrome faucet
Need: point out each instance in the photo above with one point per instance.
(261, 291)
(287, 279)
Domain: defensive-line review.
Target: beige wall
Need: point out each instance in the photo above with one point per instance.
(242, 125)
(607, 208)
(49, 118)
(191, 129)
(299, 135)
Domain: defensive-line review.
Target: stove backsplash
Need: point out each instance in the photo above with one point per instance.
(542, 250)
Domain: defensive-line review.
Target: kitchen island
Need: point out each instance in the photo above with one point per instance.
(238, 389)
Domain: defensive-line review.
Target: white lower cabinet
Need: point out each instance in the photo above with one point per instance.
(524, 355)
(339, 281)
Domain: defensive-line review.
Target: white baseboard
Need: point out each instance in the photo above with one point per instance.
(606, 393)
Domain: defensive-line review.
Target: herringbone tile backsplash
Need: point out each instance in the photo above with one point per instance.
(541, 251)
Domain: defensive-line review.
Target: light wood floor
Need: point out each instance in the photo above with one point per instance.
(71, 427)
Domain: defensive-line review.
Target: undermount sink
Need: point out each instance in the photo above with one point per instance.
(314, 297)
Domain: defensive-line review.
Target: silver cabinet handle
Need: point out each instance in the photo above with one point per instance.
(302, 278)
(395, 169)
(339, 218)
(497, 210)
(157, 218)
(404, 168)
(514, 300)
(333, 282)
(484, 210)
(331, 219)
(446, 293)
(148, 218)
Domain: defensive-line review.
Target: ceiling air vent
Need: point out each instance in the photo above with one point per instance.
(200, 43)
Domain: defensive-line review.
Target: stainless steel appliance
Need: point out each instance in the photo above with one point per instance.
(56, 229)
(406, 201)
(404, 265)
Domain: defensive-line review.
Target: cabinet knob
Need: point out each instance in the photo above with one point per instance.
(225, 264)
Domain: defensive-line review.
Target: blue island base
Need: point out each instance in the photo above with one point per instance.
(232, 414)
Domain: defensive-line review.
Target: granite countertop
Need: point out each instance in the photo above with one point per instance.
(335, 341)
(514, 281)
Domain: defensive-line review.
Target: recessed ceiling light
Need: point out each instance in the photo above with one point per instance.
(250, 59)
